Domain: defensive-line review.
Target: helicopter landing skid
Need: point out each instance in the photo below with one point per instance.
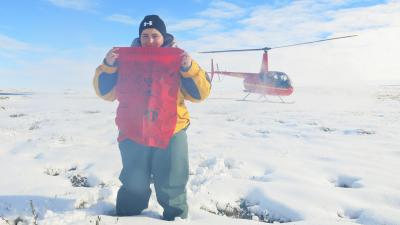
(265, 99)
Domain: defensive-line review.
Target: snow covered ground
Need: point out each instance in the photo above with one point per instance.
(332, 157)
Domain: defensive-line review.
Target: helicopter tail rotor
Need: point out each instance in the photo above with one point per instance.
(212, 70)
(218, 72)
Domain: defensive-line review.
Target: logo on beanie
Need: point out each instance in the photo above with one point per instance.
(149, 23)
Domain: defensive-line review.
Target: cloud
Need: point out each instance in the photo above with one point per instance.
(302, 20)
(10, 47)
(73, 68)
(277, 24)
(189, 24)
(11, 44)
(387, 15)
(370, 56)
(122, 19)
(222, 10)
(85, 5)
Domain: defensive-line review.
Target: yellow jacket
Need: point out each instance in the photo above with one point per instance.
(195, 86)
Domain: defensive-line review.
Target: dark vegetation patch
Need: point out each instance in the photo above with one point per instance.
(58, 171)
(367, 132)
(52, 171)
(79, 181)
(17, 115)
(360, 132)
(244, 209)
(263, 178)
(327, 129)
(16, 93)
(35, 126)
(389, 93)
(76, 179)
(92, 111)
(262, 131)
(385, 97)
(232, 118)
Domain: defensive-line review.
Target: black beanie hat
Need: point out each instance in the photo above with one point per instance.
(153, 21)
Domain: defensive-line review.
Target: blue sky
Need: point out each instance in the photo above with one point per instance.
(68, 23)
(51, 43)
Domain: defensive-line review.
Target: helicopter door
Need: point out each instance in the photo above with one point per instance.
(266, 78)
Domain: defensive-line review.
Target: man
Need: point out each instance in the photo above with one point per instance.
(169, 167)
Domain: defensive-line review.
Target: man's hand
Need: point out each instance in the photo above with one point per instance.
(186, 61)
(111, 56)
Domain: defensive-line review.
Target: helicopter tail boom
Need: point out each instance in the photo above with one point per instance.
(228, 73)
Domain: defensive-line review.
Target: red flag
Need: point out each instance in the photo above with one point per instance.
(147, 91)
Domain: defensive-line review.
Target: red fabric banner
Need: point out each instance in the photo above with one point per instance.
(147, 91)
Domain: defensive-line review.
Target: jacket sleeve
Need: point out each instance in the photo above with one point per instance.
(196, 84)
(104, 81)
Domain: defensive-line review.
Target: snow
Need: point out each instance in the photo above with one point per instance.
(331, 157)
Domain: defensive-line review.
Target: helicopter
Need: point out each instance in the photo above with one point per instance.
(266, 82)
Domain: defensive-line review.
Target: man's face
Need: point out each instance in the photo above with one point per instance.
(151, 37)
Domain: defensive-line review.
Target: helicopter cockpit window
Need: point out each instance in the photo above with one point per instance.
(276, 79)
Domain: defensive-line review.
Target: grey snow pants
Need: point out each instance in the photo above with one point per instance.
(170, 170)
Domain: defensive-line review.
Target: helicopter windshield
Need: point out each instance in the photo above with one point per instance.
(276, 79)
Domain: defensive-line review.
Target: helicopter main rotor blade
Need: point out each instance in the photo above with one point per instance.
(283, 46)
(310, 42)
(238, 50)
